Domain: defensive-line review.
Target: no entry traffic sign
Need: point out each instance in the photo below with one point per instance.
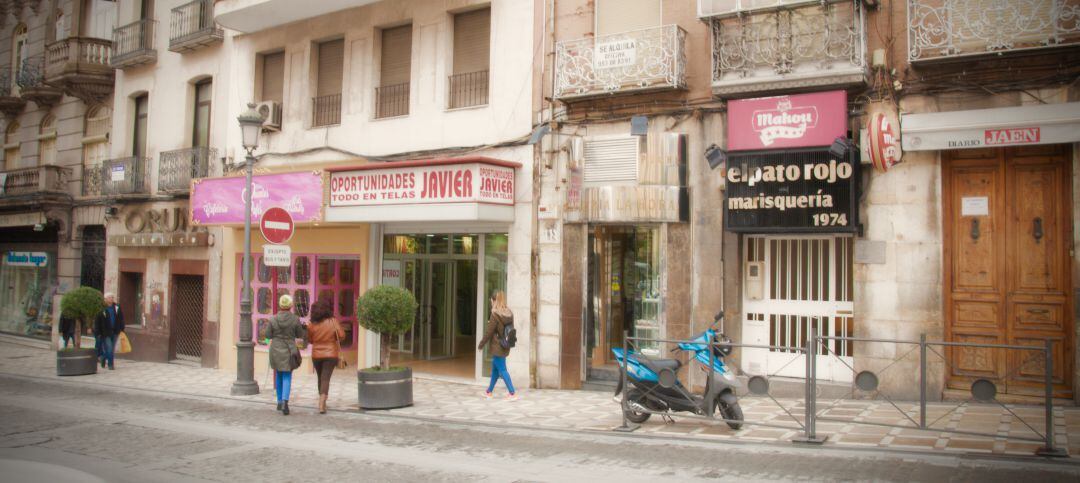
(276, 225)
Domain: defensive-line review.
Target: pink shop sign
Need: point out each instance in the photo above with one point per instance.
(783, 122)
(220, 201)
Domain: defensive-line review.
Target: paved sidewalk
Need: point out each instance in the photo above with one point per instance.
(595, 411)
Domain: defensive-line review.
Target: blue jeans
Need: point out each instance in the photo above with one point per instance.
(107, 349)
(498, 369)
(282, 384)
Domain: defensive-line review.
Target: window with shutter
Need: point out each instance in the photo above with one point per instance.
(472, 36)
(200, 136)
(273, 76)
(611, 160)
(617, 16)
(392, 95)
(331, 57)
(138, 148)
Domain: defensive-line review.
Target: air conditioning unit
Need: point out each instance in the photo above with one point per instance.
(271, 113)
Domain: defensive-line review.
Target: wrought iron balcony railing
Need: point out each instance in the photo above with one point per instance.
(124, 176)
(326, 110)
(177, 168)
(31, 72)
(133, 44)
(5, 82)
(467, 90)
(392, 101)
(944, 29)
(647, 59)
(192, 26)
(29, 181)
(10, 102)
(92, 179)
(822, 44)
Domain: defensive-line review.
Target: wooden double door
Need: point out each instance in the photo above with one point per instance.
(1008, 262)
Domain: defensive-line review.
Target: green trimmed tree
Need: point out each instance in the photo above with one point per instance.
(83, 305)
(388, 311)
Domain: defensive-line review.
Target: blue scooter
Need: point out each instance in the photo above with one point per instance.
(655, 386)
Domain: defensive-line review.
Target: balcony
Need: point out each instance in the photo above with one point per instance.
(468, 90)
(192, 27)
(37, 183)
(10, 103)
(32, 86)
(392, 101)
(952, 29)
(639, 60)
(789, 48)
(326, 110)
(133, 44)
(250, 16)
(123, 176)
(80, 66)
(177, 168)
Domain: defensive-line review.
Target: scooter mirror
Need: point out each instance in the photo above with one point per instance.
(719, 315)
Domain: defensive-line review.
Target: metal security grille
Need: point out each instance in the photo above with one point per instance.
(187, 317)
(92, 271)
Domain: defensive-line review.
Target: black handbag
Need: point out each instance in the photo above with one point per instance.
(297, 357)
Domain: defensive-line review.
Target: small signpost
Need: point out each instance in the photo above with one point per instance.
(276, 226)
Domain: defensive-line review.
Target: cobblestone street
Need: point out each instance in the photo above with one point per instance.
(597, 412)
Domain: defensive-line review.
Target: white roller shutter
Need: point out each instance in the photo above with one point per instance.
(612, 160)
(617, 16)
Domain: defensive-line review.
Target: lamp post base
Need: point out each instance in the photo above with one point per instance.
(245, 388)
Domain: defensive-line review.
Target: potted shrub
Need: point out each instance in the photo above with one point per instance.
(82, 304)
(387, 311)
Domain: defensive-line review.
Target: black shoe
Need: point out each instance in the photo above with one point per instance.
(111, 368)
(285, 408)
(103, 363)
(279, 405)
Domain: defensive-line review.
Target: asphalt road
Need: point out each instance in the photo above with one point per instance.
(64, 431)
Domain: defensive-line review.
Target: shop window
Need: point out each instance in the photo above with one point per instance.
(348, 273)
(402, 244)
(327, 294)
(264, 272)
(283, 274)
(303, 270)
(130, 297)
(263, 305)
(326, 271)
(347, 303)
(438, 244)
(262, 328)
(26, 289)
(302, 302)
(347, 342)
(465, 244)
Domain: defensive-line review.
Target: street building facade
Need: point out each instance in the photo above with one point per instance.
(57, 109)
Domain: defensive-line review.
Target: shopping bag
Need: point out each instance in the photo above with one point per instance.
(123, 345)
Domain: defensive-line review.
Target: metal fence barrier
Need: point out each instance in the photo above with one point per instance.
(983, 390)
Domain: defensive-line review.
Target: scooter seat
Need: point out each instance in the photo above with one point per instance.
(658, 365)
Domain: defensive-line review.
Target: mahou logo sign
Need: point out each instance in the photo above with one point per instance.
(787, 121)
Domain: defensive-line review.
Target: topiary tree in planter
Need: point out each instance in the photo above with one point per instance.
(388, 311)
(81, 304)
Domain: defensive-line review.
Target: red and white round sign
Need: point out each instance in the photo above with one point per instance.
(276, 225)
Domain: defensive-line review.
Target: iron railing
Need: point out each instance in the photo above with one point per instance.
(326, 110)
(467, 90)
(134, 43)
(5, 83)
(810, 45)
(34, 180)
(653, 58)
(76, 55)
(715, 8)
(32, 72)
(392, 100)
(177, 168)
(941, 29)
(192, 25)
(124, 176)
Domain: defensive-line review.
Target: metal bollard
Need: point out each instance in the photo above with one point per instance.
(922, 380)
(626, 427)
(809, 427)
(1049, 449)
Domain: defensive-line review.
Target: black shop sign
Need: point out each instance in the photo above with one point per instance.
(803, 191)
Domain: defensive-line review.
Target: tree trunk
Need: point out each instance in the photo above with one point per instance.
(78, 333)
(384, 352)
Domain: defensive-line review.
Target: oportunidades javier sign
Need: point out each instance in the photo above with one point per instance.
(442, 183)
(805, 191)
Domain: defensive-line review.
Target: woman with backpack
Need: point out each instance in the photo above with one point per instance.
(325, 335)
(499, 336)
(283, 330)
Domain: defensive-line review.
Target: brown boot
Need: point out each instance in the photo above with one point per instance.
(322, 403)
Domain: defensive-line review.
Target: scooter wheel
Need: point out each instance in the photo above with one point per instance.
(635, 396)
(730, 409)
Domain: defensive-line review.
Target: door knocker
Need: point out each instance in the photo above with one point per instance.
(974, 228)
(1037, 230)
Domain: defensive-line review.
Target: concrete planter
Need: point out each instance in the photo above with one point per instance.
(76, 362)
(385, 390)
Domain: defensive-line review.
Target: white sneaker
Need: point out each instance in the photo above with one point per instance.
(488, 395)
(512, 397)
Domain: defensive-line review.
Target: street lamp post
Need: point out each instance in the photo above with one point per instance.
(250, 126)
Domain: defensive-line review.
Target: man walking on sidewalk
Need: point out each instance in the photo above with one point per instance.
(107, 327)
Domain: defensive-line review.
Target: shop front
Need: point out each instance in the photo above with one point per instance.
(158, 265)
(626, 267)
(28, 274)
(443, 229)
(324, 262)
(1008, 211)
(795, 206)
